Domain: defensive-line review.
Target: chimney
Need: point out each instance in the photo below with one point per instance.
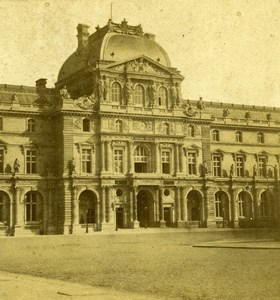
(41, 84)
(82, 35)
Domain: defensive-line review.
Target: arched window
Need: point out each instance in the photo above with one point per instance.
(191, 130)
(238, 136)
(140, 160)
(260, 138)
(4, 208)
(119, 126)
(166, 128)
(86, 125)
(116, 92)
(31, 125)
(139, 95)
(33, 211)
(245, 205)
(162, 97)
(216, 135)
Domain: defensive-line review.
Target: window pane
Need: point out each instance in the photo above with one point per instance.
(116, 92)
(31, 161)
(139, 95)
(86, 161)
(1, 161)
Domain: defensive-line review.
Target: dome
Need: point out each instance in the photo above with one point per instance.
(115, 43)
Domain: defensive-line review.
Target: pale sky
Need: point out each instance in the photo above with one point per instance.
(227, 50)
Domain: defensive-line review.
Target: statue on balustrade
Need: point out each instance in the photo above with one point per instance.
(16, 166)
(64, 93)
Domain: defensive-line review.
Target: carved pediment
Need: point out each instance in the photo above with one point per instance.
(142, 65)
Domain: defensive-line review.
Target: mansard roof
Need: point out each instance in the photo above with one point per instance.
(112, 43)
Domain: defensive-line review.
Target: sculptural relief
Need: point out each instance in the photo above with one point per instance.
(78, 123)
(86, 102)
(142, 126)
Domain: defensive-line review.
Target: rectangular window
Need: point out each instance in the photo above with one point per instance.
(192, 163)
(262, 166)
(1, 161)
(1, 123)
(217, 170)
(239, 166)
(30, 125)
(86, 161)
(165, 160)
(31, 161)
(118, 158)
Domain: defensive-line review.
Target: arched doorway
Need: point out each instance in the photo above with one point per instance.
(194, 201)
(145, 209)
(245, 209)
(87, 207)
(4, 212)
(222, 206)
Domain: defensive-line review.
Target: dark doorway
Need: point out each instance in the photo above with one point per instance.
(145, 209)
(167, 216)
(119, 217)
(194, 206)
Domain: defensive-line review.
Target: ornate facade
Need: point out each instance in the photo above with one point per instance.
(114, 145)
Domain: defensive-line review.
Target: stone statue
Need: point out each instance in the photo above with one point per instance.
(100, 90)
(105, 89)
(189, 111)
(128, 89)
(72, 166)
(268, 117)
(255, 170)
(152, 93)
(225, 112)
(16, 166)
(174, 94)
(179, 92)
(248, 115)
(200, 105)
(205, 169)
(231, 170)
(14, 98)
(64, 93)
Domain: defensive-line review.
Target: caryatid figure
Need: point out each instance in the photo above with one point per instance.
(128, 91)
(173, 92)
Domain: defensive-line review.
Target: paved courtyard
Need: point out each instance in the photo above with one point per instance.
(148, 264)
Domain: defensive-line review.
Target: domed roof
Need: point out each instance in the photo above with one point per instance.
(114, 42)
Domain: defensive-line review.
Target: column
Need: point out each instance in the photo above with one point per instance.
(110, 208)
(177, 159)
(178, 206)
(183, 201)
(103, 205)
(98, 215)
(182, 160)
(131, 160)
(45, 205)
(162, 222)
(157, 158)
(135, 217)
(102, 150)
(131, 206)
(75, 206)
(156, 203)
(12, 221)
(19, 208)
(109, 156)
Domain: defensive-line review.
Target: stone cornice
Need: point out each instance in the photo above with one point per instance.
(243, 127)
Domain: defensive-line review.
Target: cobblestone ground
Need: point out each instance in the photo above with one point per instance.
(160, 264)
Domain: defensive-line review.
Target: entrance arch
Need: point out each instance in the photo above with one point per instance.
(194, 201)
(4, 209)
(87, 207)
(145, 209)
(222, 205)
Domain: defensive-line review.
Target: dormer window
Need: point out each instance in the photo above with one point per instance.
(260, 138)
(86, 125)
(216, 135)
(238, 136)
(30, 125)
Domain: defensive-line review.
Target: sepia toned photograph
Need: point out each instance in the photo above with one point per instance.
(139, 149)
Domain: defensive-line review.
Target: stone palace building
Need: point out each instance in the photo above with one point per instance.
(115, 145)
